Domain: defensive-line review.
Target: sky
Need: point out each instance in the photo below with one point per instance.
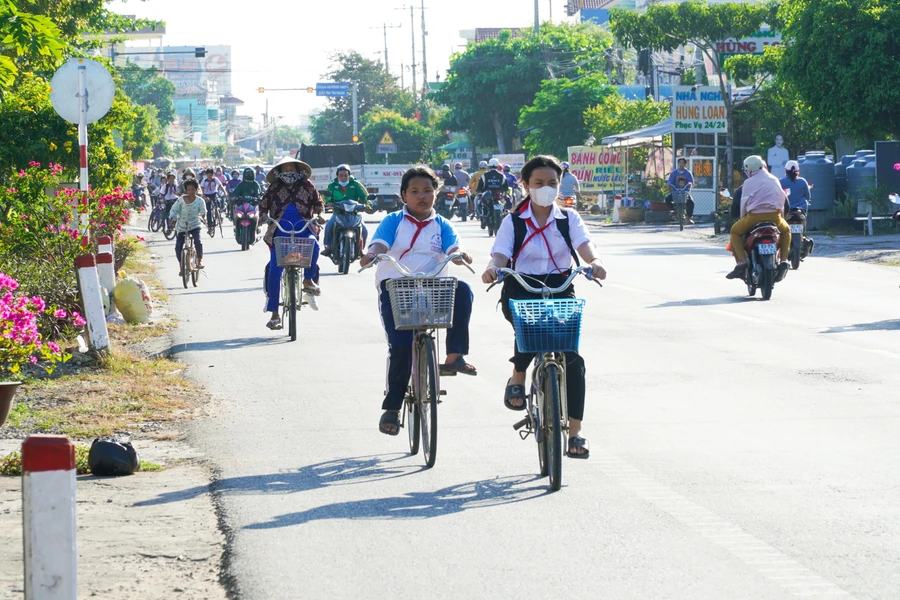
(287, 44)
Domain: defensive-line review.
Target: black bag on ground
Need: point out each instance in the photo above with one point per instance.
(113, 456)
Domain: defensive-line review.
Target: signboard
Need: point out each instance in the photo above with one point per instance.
(386, 139)
(233, 154)
(755, 44)
(192, 76)
(698, 109)
(515, 161)
(598, 168)
(386, 149)
(333, 90)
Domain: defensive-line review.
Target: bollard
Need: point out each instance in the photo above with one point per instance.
(107, 274)
(616, 218)
(105, 244)
(89, 286)
(48, 509)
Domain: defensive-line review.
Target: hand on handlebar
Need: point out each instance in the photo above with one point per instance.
(597, 270)
(490, 275)
(464, 256)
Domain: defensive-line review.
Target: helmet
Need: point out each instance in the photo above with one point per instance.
(482, 164)
(458, 165)
(506, 168)
(342, 167)
(791, 165)
(493, 163)
(754, 163)
(564, 165)
(446, 167)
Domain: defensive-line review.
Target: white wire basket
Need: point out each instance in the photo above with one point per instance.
(293, 251)
(422, 302)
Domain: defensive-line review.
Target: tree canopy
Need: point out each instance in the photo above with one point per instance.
(614, 114)
(148, 87)
(409, 135)
(27, 41)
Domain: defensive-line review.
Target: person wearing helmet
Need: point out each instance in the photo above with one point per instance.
(447, 176)
(344, 187)
(797, 187)
(762, 201)
(474, 181)
(493, 180)
(510, 178)
(569, 186)
(462, 177)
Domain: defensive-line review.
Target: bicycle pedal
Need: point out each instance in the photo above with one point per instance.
(521, 424)
(443, 392)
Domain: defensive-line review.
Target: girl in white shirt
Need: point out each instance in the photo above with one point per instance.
(546, 255)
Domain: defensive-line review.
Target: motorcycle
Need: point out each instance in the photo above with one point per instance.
(446, 201)
(761, 245)
(801, 246)
(245, 218)
(493, 209)
(462, 210)
(568, 202)
(347, 237)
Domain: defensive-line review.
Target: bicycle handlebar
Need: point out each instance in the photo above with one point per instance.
(407, 273)
(283, 230)
(586, 271)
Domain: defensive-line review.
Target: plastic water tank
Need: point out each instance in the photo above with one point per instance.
(818, 170)
(861, 175)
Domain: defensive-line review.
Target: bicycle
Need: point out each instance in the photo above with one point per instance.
(550, 328)
(679, 197)
(189, 269)
(216, 214)
(168, 227)
(157, 215)
(292, 253)
(422, 303)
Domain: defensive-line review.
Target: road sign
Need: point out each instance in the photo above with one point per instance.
(65, 94)
(698, 109)
(333, 90)
(386, 139)
(386, 149)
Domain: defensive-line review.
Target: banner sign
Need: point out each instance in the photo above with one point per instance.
(698, 109)
(755, 44)
(515, 161)
(598, 168)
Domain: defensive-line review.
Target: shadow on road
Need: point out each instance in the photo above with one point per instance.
(422, 505)
(706, 301)
(345, 471)
(891, 325)
(228, 344)
(679, 250)
(231, 291)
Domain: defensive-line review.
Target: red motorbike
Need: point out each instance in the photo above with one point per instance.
(761, 245)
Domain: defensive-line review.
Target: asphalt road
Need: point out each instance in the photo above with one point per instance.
(740, 448)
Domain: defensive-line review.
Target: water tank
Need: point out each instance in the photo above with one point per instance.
(819, 171)
(861, 175)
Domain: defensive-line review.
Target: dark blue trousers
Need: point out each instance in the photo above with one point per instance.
(399, 366)
(290, 220)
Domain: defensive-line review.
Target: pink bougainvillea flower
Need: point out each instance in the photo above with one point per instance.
(22, 173)
(54, 347)
(78, 320)
(33, 360)
(34, 164)
(60, 314)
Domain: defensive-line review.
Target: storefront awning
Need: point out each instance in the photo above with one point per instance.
(640, 137)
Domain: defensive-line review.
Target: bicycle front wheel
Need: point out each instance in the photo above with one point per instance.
(185, 266)
(681, 217)
(553, 426)
(292, 302)
(413, 423)
(221, 233)
(427, 401)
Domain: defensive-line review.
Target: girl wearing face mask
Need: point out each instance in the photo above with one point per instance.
(291, 200)
(543, 241)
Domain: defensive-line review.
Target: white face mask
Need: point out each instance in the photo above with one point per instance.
(343, 183)
(544, 196)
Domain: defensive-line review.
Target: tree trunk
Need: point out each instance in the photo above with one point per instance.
(729, 144)
(499, 132)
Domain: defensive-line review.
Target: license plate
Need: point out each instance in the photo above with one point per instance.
(767, 248)
(796, 228)
(448, 201)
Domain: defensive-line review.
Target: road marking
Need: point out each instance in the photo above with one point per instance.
(764, 558)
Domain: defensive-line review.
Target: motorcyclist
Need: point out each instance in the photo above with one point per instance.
(473, 184)
(569, 186)
(447, 177)
(494, 181)
(462, 178)
(245, 188)
(234, 181)
(763, 201)
(260, 176)
(188, 173)
(344, 187)
(510, 178)
(797, 187)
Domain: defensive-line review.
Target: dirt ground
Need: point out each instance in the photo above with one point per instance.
(130, 543)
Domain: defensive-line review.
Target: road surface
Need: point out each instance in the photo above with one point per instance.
(740, 448)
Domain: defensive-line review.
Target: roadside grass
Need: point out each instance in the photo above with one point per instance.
(11, 464)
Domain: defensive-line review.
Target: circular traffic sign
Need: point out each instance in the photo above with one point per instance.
(64, 92)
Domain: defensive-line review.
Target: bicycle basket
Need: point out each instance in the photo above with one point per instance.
(547, 325)
(294, 251)
(679, 196)
(422, 302)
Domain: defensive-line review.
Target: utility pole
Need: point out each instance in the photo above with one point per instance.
(385, 27)
(424, 60)
(537, 17)
(402, 81)
(354, 91)
(412, 27)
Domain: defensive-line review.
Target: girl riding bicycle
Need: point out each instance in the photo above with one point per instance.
(291, 200)
(539, 240)
(188, 212)
(419, 239)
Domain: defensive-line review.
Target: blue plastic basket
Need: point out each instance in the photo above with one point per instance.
(547, 325)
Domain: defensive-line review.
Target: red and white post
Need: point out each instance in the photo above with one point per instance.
(107, 274)
(85, 218)
(105, 244)
(48, 501)
(89, 286)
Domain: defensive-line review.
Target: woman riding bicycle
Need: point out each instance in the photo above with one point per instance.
(292, 200)
(212, 191)
(539, 240)
(188, 212)
(419, 239)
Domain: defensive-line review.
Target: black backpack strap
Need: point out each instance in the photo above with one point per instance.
(520, 230)
(563, 226)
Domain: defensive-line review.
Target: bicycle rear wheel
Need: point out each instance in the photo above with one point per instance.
(292, 303)
(553, 426)
(427, 401)
(185, 266)
(195, 270)
(221, 233)
(413, 423)
(168, 229)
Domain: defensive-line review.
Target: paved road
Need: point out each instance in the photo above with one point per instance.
(741, 449)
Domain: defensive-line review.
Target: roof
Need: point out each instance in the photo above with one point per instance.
(492, 33)
(573, 6)
(458, 145)
(231, 100)
(640, 137)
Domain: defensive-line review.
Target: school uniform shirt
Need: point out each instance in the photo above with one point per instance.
(545, 253)
(170, 192)
(417, 245)
(187, 216)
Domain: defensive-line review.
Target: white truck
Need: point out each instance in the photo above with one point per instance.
(381, 181)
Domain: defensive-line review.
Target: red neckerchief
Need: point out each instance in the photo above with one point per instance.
(420, 225)
(535, 230)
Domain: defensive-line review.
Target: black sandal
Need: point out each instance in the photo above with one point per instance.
(458, 366)
(390, 417)
(578, 442)
(514, 391)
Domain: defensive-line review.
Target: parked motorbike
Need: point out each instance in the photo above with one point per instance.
(462, 203)
(801, 246)
(446, 201)
(347, 236)
(245, 217)
(761, 245)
